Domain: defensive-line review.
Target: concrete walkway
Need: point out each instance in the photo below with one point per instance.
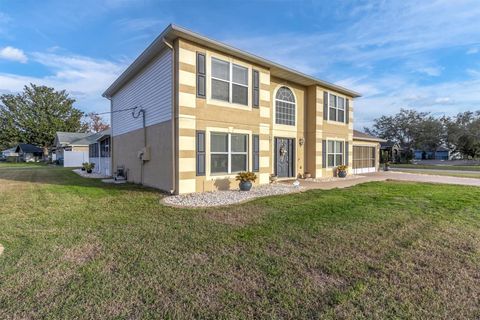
(415, 177)
(383, 176)
(435, 170)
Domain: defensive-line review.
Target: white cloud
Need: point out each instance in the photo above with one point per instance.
(473, 50)
(431, 71)
(13, 54)
(385, 54)
(82, 77)
(443, 100)
(447, 98)
(140, 24)
(392, 30)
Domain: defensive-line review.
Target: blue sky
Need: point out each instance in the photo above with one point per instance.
(414, 54)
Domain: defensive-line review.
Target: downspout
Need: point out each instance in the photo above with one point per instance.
(174, 120)
(142, 162)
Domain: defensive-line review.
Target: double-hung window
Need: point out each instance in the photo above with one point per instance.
(228, 152)
(229, 82)
(335, 153)
(336, 108)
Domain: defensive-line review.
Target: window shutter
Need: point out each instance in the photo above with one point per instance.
(345, 162)
(347, 111)
(256, 153)
(201, 80)
(256, 89)
(200, 153)
(325, 105)
(324, 153)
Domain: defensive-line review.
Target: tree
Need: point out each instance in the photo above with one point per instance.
(35, 115)
(95, 123)
(428, 133)
(404, 127)
(462, 133)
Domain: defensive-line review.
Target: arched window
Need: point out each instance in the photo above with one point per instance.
(285, 107)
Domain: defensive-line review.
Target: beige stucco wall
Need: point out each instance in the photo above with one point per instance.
(217, 116)
(319, 129)
(210, 115)
(284, 131)
(158, 171)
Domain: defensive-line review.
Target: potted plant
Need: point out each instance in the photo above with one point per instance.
(246, 179)
(273, 178)
(342, 171)
(89, 167)
(83, 165)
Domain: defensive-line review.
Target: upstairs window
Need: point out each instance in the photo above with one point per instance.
(336, 108)
(229, 82)
(285, 107)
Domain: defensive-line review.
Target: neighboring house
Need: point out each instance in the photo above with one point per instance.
(100, 154)
(70, 141)
(391, 151)
(29, 153)
(440, 153)
(190, 112)
(9, 153)
(366, 152)
(72, 148)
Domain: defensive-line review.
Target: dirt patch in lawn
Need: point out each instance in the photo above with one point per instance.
(237, 215)
(82, 254)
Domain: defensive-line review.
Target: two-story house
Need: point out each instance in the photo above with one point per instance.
(190, 112)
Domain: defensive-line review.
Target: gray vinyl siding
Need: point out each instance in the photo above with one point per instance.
(151, 90)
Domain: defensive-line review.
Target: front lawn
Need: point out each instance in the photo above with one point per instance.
(76, 248)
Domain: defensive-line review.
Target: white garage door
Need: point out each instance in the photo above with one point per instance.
(363, 159)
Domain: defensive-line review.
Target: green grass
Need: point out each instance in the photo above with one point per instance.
(4, 164)
(436, 167)
(75, 248)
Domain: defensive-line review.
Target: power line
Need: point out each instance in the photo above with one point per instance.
(110, 112)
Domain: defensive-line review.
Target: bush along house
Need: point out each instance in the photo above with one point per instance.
(190, 113)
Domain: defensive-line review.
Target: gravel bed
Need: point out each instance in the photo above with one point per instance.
(89, 175)
(221, 198)
(333, 179)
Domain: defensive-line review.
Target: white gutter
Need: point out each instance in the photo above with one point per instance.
(174, 120)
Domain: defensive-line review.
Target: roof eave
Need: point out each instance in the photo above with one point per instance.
(369, 139)
(172, 32)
